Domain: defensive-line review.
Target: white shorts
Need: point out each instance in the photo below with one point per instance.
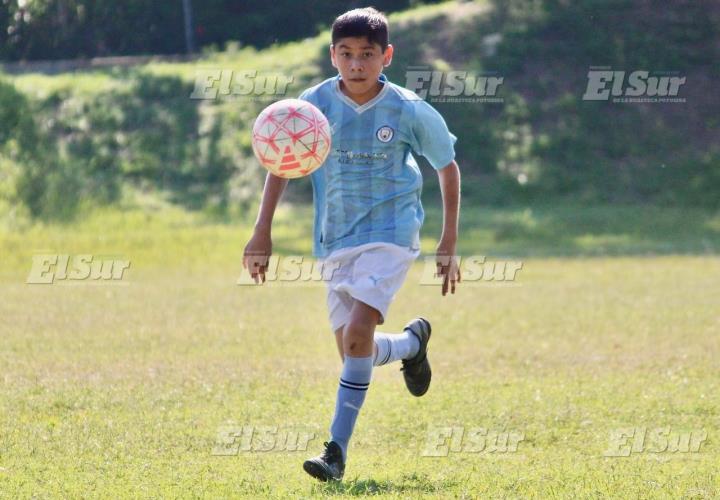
(371, 273)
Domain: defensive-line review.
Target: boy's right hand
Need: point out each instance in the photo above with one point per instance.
(257, 255)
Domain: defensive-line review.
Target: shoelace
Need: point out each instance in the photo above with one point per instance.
(326, 453)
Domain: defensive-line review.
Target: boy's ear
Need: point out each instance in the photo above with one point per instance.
(387, 55)
(332, 55)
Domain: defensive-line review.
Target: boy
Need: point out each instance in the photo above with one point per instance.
(368, 217)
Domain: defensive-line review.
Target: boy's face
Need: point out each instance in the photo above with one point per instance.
(359, 63)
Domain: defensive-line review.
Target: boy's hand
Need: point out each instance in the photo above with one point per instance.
(447, 265)
(257, 255)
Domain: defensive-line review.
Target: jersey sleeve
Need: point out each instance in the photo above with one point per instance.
(430, 136)
(309, 96)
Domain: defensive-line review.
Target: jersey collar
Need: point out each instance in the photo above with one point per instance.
(364, 107)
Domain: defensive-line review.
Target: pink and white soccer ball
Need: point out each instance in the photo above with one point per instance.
(291, 138)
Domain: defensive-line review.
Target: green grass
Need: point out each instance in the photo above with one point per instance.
(156, 235)
(119, 390)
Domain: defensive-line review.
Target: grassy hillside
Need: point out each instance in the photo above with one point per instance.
(81, 139)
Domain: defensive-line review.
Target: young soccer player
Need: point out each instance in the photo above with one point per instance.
(368, 217)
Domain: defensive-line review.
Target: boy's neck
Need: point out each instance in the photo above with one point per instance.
(362, 98)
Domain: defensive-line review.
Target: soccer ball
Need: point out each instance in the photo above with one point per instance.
(291, 138)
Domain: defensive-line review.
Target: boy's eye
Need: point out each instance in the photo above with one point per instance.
(364, 54)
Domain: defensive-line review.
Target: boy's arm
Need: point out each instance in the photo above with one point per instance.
(447, 266)
(258, 250)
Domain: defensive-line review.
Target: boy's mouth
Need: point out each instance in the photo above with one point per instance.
(357, 80)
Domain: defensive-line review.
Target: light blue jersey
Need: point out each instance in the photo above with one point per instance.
(368, 189)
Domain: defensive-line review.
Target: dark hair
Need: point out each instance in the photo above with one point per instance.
(366, 22)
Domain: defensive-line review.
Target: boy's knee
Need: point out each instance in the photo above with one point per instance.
(358, 336)
(361, 330)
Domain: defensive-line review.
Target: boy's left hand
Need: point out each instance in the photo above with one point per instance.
(447, 265)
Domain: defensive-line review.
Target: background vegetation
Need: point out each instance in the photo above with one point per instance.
(90, 137)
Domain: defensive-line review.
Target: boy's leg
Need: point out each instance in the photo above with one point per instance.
(388, 347)
(357, 370)
(357, 343)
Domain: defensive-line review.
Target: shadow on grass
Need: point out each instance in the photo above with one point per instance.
(407, 484)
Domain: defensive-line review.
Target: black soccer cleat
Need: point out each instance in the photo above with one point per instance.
(416, 370)
(328, 465)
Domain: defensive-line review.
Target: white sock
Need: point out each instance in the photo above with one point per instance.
(394, 346)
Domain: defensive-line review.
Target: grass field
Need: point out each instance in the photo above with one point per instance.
(123, 389)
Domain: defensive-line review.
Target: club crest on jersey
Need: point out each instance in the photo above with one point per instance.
(385, 134)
